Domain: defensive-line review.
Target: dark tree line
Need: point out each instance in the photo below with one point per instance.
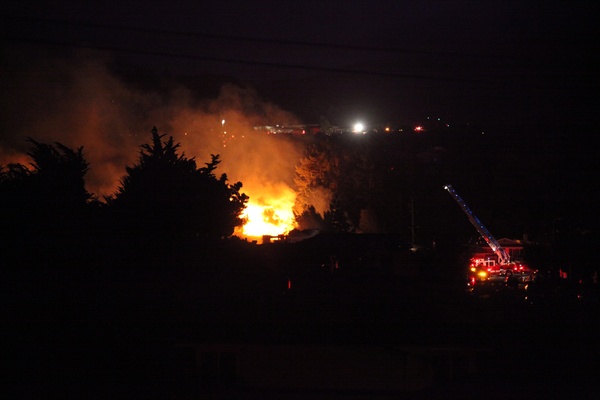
(163, 201)
(367, 183)
(521, 186)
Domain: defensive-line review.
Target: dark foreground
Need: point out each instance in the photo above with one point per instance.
(132, 334)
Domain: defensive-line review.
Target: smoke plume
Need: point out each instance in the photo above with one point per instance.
(77, 101)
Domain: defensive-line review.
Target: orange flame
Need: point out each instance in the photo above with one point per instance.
(269, 214)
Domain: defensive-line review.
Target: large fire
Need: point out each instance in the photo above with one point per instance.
(268, 214)
(111, 120)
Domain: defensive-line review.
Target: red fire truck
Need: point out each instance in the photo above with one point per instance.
(497, 270)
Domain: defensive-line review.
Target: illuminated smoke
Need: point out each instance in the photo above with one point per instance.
(78, 102)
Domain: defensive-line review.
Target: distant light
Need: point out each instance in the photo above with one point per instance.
(419, 128)
(358, 127)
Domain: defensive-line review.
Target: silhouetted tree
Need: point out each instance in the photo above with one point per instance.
(12, 174)
(309, 219)
(336, 219)
(165, 194)
(341, 174)
(55, 185)
(41, 208)
(317, 178)
(58, 172)
(13, 194)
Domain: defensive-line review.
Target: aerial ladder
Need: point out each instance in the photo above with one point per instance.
(503, 256)
(507, 268)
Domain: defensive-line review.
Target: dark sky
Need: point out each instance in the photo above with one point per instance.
(523, 61)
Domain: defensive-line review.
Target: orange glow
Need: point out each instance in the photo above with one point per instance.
(268, 214)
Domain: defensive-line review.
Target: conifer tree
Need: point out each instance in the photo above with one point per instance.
(166, 194)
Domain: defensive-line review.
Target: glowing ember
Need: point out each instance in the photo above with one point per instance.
(269, 215)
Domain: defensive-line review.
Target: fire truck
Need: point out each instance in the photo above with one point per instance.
(499, 270)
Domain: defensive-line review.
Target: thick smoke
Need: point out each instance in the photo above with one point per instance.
(77, 101)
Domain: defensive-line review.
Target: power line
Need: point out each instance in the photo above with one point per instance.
(323, 45)
(271, 64)
(241, 61)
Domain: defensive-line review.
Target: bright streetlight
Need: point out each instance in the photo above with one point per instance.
(358, 127)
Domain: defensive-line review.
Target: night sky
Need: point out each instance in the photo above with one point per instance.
(384, 61)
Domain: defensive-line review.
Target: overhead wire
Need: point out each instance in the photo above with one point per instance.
(325, 45)
(485, 80)
(228, 60)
